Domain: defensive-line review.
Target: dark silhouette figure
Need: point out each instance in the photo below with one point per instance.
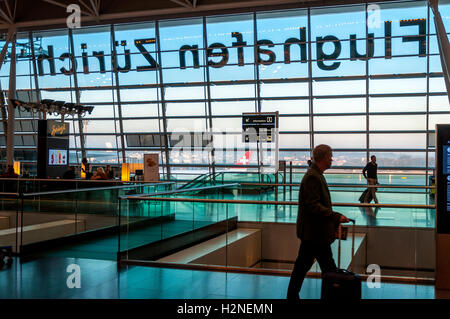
(317, 223)
(70, 173)
(370, 174)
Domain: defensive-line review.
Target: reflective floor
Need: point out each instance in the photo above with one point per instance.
(99, 279)
(105, 247)
(47, 277)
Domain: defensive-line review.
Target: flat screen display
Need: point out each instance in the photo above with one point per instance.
(57, 157)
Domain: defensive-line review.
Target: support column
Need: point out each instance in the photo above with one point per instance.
(310, 88)
(11, 110)
(77, 95)
(367, 90)
(259, 152)
(444, 45)
(163, 101)
(42, 115)
(119, 103)
(212, 160)
(11, 32)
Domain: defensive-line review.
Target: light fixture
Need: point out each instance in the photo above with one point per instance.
(17, 103)
(58, 106)
(52, 106)
(125, 174)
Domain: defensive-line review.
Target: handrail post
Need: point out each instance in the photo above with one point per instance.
(276, 186)
(284, 182)
(118, 235)
(21, 224)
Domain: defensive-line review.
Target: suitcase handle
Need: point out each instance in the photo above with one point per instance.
(353, 244)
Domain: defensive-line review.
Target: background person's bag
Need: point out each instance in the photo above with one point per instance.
(367, 193)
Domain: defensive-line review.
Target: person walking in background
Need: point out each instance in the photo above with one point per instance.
(317, 223)
(370, 174)
(109, 172)
(99, 174)
(86, 168)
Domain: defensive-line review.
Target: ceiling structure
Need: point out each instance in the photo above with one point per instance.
(44, 14)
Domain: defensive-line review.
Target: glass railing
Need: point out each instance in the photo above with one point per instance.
(227, 232)
(156, 226)
(388, 216)
(149, 222)
(35, 185)
(384, 178)
(56, 222)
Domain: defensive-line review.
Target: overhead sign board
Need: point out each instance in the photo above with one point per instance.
(258, 127)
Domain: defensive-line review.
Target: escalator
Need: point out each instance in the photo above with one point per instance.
(206, 180)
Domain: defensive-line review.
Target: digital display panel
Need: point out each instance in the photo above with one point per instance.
(57, 157)
(258, 127)
(446, 173)
(442, 178)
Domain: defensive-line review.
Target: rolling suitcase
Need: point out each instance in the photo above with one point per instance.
(341, 284)
(363, 195)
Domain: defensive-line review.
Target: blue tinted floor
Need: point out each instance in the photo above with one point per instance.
(99, 279)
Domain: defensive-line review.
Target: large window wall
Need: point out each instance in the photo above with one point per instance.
(363, 80)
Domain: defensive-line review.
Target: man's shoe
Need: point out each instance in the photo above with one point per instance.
(293, 298)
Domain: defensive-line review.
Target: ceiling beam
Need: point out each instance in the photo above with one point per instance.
(63, 6)
(181, 3)
(5, 16)
(92, 13)
(15, 9)
(151, 13)
(9, 10)
(94, 7)
(189, 3)
(195, 4)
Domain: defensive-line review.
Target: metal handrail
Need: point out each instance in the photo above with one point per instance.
(196, 180)
(343, 185)
(76, 180)
(9, 194)
(262, 271)
(178, 191)
(228, 201)
(92, 189)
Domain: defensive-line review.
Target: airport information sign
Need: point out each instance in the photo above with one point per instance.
(258, 127)
(443, 178)
(53, 148)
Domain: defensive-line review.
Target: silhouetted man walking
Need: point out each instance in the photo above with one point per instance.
(317, 223)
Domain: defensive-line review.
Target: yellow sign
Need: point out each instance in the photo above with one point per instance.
(17, 168)
(125, 176)
(56, 129)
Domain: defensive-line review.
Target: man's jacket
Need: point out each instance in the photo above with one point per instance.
(371, 170)
(316, 220)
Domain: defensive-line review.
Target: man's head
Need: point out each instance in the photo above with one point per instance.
(373, 159)
(323, 156)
